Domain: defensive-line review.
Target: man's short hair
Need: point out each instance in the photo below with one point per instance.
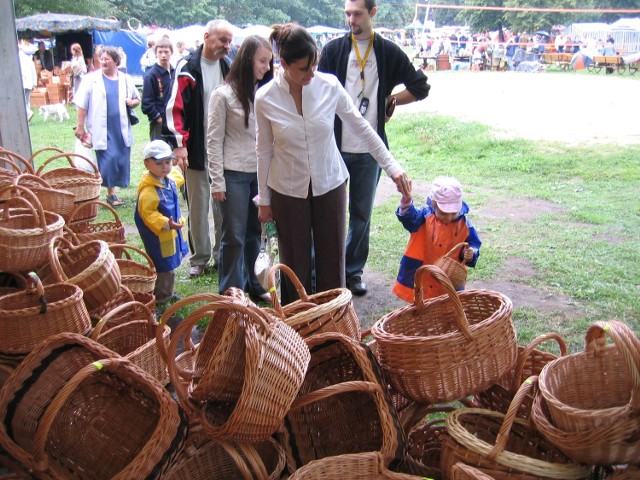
(164, 43)
(368, 4)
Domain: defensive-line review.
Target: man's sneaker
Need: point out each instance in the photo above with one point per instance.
(196, 271)
(356, 285)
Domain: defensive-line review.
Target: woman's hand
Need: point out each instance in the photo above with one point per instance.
(402, 183)
(132, 102)
(264, 213)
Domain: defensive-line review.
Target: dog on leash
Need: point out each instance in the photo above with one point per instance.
(56, 110)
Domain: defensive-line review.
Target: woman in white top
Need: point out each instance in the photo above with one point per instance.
(78, 66)
(301, 175)
(231, 149)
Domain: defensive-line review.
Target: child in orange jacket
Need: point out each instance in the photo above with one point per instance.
(435, 229)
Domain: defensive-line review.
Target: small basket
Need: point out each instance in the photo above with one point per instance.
(593, 397)
(91, 266)
(353, 466)
(343, 405)
(460, 471)
(25, 230)
(330, 311)
(504, 446)
(456, 271)
(530, 362)
(52, 199)
(449, 347)
(129, 425)
(136, 276)
(110, 232)
(252, 369)
(30, 316)
(135, 338)
(124, 295)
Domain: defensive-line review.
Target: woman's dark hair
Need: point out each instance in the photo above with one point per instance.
(240, 76)
(294, 43)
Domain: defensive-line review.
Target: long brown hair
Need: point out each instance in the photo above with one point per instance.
(240, 76)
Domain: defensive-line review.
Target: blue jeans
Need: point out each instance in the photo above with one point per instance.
(240, 242)
(364, 174)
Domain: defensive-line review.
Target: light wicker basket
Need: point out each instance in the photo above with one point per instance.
(109, 231)
(448, 347)
(52, 199)
(137, 276)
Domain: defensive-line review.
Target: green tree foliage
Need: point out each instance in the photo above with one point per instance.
(391, 15)
(96, 8)
(533, 21)
(481, 19)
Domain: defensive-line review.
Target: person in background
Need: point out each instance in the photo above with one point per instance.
(148, 59)
(435, 229)
(78, 66)
(45, 57)
(369, 67)
(301, 175)
(156, 88)
(122, 64)
(159, 220)
(179, 53)
(186, 129)
(29, 79)
(102, 101)
(609, 51)
(231, 141)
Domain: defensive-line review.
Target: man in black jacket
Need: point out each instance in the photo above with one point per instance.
(186, 129)
(369, 67)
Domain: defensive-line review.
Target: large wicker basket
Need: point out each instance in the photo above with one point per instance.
(449, 347)
(330, 311)
(249, 370)
(530, 362)
(25, 230)
(503, 446)
(137, 276)
(110, 231)
(343, 405)
(90, 265)
(593, 398)
(30, 316)
(53, 199)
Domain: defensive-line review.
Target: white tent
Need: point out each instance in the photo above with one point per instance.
(322, 30)
(626, 34)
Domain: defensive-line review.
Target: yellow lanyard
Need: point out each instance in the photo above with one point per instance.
(362, 61)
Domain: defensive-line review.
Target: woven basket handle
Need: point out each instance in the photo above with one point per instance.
(302, 293)
(28, 199)
(505, 429)
(454, 249)
(125, 307)
(69, 156)
(29, 177)
(628, 346)
(11, 158)
(51, 412)
(32, 159)
(37, 284)
(331, 390)
(254, 460)
(54, 261)
(117, 248)
(528, 350)
(442, 279)
(95, 202)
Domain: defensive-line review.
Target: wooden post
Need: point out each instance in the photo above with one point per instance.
(14, 127)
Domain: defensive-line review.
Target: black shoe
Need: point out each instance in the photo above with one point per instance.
(357, 286)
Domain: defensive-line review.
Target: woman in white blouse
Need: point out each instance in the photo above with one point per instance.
(301, 175)
(231, 148)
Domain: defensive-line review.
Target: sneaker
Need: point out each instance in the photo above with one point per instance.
(356, 285)
(196, 271)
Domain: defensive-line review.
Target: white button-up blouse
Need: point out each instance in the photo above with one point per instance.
(294, 150)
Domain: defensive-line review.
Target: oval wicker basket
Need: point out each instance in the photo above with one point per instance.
(32, 315)
(135, 337)
(53, 199)
(136, 276)
(25, 230)
(448, 347)
(460, 471)
(110, 231)
(456, 271)
(330, 311)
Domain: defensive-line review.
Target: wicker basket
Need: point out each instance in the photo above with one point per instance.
(33, 385)
(504, 446)
(11, 166)
(32, 315)
(84, 185)
(110, 232)
(25, 230)
(135, 338)
(136, 276)
(129, 425)
(456, 271)
(593, 398)
(530, 362)
(6, 369)
(343, 405)
(50, 151)
(354, 466)
(449, 347)
(52, 199)
(249, 368)
(91, 266)
(330, 311)
(124, 295)
(460, 471)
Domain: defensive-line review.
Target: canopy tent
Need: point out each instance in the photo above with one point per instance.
(134, 45)
(322, 30)
(626, 35)
(48, 24)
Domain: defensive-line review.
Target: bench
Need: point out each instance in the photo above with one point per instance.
(633, 67)
(557, 60)
(608, 62)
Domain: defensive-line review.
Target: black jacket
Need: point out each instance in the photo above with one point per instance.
(156, 91)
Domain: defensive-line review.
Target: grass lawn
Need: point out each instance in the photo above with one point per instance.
(589, 249)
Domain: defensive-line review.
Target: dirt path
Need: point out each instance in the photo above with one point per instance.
(567, 108)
